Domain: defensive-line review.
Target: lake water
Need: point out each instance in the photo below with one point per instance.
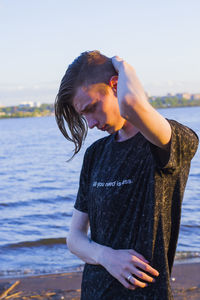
(38, 189)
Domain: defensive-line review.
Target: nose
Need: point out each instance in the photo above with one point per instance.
(92, 122)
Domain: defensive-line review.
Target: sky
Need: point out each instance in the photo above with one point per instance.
(40, 38)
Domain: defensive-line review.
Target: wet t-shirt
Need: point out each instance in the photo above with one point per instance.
(132, 192)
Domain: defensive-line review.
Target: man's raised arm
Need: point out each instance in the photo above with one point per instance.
(136, 109)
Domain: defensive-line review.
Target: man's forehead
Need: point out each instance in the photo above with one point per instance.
(81, 98)
(86, 94)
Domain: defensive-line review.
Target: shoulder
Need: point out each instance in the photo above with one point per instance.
(183, 146)
(183, 132)
(176, 126)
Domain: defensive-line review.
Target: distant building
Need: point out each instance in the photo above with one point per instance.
(186, 96)
(30, 104)
(37, 104)
(196, 97)
(170, 95)
(26, 104)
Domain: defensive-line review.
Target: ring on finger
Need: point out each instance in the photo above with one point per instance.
(129, 277)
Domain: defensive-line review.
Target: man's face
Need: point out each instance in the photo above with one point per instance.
(100, 108)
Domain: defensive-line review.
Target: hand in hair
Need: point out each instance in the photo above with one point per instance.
(129, 88)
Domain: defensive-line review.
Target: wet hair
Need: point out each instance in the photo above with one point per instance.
(90, 67)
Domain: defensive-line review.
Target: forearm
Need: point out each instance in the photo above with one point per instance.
(86, 249)
(119, 263)
(135, 108)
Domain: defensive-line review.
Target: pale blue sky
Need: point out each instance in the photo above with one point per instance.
(39, 38)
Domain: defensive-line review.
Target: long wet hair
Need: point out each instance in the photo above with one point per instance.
(89, 68)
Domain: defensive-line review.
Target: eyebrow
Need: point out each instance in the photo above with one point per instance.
(87, 107)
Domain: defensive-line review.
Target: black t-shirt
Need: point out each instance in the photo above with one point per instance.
(132, 192)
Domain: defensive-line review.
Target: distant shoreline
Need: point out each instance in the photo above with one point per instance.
(25, 116)
(24, 111)
(51, 113)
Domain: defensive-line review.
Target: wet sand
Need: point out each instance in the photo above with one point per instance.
(185, 284)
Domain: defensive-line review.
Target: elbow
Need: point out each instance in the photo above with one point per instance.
(69, 243)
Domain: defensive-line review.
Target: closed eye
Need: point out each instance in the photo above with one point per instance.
(89, 108)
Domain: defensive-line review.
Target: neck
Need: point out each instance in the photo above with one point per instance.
(126, 132)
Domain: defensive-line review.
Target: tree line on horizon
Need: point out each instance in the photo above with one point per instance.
(22, 111)
(164, 102)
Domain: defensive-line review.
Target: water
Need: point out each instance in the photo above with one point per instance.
(38, 189)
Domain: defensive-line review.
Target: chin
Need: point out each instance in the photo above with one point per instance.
(111, 130)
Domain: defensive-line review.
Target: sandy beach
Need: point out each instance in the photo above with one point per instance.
(185, 284)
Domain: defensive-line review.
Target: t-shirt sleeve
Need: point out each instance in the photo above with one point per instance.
(81, 202)
(183, 146)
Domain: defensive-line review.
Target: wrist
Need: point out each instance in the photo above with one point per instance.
(104, 254)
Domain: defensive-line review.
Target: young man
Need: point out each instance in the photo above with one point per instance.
(131, 184)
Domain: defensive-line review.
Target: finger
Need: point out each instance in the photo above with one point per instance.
(146, 267)
(143, 276)
(140, 256)
(127, 284)
(116, 61)
(138, 283)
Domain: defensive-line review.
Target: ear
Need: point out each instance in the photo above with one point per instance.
(113, 83)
